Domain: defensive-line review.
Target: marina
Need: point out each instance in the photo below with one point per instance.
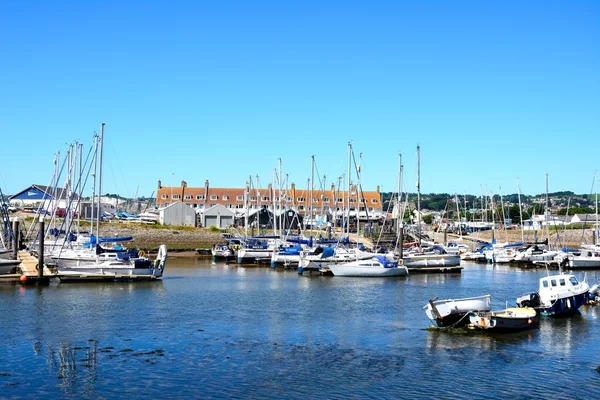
(214, 330)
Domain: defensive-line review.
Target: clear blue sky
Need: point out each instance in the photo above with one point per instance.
(220, 90)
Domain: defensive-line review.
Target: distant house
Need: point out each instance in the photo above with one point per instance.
(580, 219)
(177, 214)
(45, 197)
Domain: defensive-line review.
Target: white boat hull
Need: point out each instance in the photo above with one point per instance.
(343, 270)
(448, 311)
(431, 260)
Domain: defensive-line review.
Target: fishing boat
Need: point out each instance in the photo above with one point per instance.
(454, 312)
(377, 266)
(507, 320)
(558, 295)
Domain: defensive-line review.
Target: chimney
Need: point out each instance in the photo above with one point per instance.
(183, 186)
(159, 185)
(377, 188)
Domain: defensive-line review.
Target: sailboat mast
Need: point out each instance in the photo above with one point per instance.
(312, 185)
(349, 183)
(93, 206)
(520, 210)
(100, 182)
(596, 230)
(274, 203)
(419, 193)
(546, 212)
(458, 216)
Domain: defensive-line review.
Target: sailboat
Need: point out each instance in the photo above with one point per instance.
(376, 265)
(93, 261)
(434, 256)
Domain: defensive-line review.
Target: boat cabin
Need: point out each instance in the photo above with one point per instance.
(557, 286)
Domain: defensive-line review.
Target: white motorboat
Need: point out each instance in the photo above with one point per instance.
(377, 266)
(453, 312)
(557, 295)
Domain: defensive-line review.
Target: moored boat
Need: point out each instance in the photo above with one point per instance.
(558, 295)
(453, 312)
(377, 266)
(507, 320)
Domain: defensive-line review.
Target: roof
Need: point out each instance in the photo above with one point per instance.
(45, 191)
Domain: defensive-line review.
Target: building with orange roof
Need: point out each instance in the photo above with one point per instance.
(330, 202)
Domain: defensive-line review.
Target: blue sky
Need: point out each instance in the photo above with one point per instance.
(220, 90)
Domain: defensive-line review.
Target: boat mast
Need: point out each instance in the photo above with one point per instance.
(312, 185)
(100, 183)
(349, 183)
(546, 213)
(419, 193)
(274, 203)
(458, 216)
(246, 203)
(93, 206)
(520, 210)
(596, 230)
(503, 215)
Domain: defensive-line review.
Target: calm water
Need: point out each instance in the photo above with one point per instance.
(214, 331)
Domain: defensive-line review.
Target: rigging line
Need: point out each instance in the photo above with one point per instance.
(77, 204)
(120, 171)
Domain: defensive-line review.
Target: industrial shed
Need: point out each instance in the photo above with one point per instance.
(177, 214)
(219, 216)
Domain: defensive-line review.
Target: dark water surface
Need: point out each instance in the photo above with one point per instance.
(216, 331)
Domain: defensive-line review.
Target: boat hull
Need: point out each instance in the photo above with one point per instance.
(453, 312)
(373, 272)
(505, 321)
(434, 260)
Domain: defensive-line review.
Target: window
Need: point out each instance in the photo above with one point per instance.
(562, 282)
(374, 201)
(553, 281)
(545, 283)
(199, 197)
(315, 199)
(265, 198)
(574, 281)
(352, 201)
(188, 196)
(289, 198)
(214, 197)
(340, 200)
(253, 198)
(325, 199)
(165, 196)
(363, 200)
(225, 197)
(300, 199)
(176, 196)
(240, 198)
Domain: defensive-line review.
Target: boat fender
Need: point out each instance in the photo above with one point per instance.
(482, 321)
(141, 254)
(236, 247)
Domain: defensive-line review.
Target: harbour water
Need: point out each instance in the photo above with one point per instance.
(224, 331)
